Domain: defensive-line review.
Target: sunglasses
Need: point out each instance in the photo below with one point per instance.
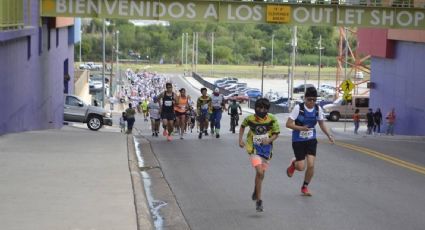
(169, 87)
(311, 99)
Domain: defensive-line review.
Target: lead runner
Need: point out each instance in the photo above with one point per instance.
(302, 121)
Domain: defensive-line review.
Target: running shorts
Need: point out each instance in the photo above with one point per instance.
(304, 148)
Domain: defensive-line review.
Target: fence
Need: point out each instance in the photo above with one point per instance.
(12, 14)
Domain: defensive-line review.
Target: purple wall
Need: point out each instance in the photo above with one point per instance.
(31, 87)
(400, 83)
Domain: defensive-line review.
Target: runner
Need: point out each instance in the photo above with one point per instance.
(233, 112)
(181, 108)
(153, 110)
(203, 106)
(302, 121)
(167, 99)
(263, 130)
(145, 109)
(218, 106)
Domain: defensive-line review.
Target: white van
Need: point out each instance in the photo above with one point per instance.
(345, 109)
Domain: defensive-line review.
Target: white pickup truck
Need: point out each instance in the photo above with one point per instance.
(75, 110)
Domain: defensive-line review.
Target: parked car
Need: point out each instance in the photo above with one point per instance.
(75, 110)
(241, 98)
(345, 109)
(326, 89)
(226, 83)
(300, 88)
(253, 93)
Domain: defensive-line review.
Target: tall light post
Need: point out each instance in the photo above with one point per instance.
(103, 63)
(263, 57)
(320, 48)
(118, 75)
(272, 62)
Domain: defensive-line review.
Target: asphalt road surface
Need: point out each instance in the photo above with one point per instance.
(359, 183)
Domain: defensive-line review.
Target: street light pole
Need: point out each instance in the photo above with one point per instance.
(320, 48)
(117, 51)
(103, 63)
(263, 57)
(272, 63)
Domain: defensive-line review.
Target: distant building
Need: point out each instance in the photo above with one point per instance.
(398, 75)
(37, 59)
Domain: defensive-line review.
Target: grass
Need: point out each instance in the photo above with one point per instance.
(240, 71)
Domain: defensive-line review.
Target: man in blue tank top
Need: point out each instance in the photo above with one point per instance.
(302, 121)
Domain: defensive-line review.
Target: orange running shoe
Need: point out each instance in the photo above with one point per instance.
(291, 169)
(304, 191)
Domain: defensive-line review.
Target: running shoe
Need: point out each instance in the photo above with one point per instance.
(305, 191)
(181, 137)
(200, 135)
(169, 138)
(259, 206)
(153, 134)
(165, 133)
(291, 169)
(206, 133)
(217, 135)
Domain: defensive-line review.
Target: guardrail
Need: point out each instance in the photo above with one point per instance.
(12, 14)
(251, 103)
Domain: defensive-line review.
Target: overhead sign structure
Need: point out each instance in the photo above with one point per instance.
(239, 12)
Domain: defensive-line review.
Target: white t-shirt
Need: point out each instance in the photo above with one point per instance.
(154, 110)
(296, 111)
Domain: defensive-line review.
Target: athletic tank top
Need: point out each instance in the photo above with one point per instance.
(168, 103)
(182, 105)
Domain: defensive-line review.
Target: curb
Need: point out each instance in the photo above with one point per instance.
(143, 215)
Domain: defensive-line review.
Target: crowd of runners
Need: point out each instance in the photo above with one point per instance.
(179, 112)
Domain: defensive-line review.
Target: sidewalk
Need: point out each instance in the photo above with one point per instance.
(70, 178)
(349, 132)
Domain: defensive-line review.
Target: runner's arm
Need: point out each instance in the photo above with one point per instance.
(291, 124)
(325, 131)
(241, 132)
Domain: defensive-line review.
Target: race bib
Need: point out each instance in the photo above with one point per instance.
(168, 103)
(183, 107)
(204, 106)
(258, 139)
(307, 134)
(260, 149)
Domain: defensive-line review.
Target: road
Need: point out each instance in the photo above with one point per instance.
(360, 182)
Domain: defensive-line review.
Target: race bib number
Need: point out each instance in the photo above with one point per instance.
(183, 107)
(168, 103)
(260, 149)
(204, 106)
(307, 134)
(258, 139)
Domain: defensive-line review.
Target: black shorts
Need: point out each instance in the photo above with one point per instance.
(168, 116)
(178, 114)
(304, 148)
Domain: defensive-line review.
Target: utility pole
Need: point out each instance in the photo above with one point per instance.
(103, 63)
(197, 52)
(320, 48)
(182, 60)
(212, 54)
(272, 49)
(187, 44)
(118, 75)
(294, 48)
(193, 51)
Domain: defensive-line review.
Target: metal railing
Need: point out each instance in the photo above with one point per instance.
(12, 14)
